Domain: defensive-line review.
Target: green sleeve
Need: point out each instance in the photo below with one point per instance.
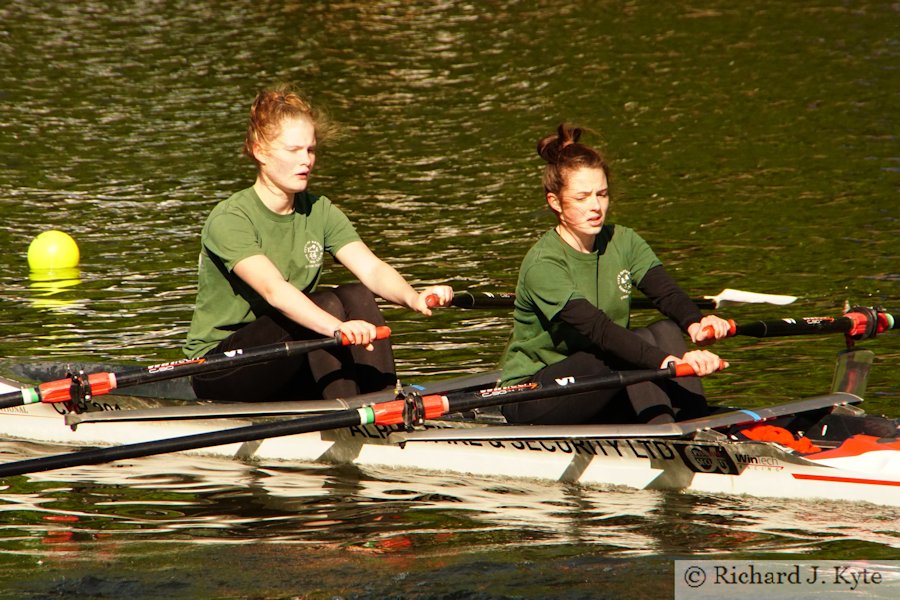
(339, 231)
(643, 258)
(548, 286)
(231, 237)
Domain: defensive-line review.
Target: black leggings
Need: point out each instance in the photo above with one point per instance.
(334, 373)
(648, 402)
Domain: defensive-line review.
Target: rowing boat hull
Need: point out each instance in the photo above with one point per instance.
(707, 463)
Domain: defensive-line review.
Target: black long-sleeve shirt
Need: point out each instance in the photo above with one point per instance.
(607, 336)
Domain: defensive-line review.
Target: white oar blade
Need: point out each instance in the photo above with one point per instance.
(741, 297)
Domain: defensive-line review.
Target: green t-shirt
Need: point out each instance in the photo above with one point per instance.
(243, 226)
(552, 273)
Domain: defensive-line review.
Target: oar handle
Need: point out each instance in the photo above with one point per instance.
(381, 332)
(711, 332)
(686, 370)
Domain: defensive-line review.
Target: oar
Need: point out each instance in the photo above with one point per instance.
(226, 410)
(412, 410)
(97, 384)
(859, 323)
(479, 300)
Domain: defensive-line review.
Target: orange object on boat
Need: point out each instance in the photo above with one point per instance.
(780, 435)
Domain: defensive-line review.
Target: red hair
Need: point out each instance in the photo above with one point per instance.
(274, 106)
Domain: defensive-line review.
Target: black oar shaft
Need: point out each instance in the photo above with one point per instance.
(215, 362)
(465, 401)
(478, 300)
(482, 300)
(763, 329)
(865, 323)
(181, 444)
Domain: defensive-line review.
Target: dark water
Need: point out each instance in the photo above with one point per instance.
(754, 145)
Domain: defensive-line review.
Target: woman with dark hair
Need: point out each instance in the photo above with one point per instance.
(261, 259)
(572, 306)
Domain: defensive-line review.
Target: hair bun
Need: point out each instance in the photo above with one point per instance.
(550, 147)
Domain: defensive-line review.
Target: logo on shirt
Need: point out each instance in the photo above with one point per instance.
(313, 251)
(623, 279)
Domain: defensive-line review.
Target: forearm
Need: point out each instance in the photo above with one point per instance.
(384, 281)
(659, 286)
(668, 298)
(298, 307)
(608, 337)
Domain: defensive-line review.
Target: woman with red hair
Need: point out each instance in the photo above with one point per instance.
(261, 260)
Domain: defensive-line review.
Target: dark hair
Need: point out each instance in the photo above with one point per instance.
(564, 153)
(273, 106)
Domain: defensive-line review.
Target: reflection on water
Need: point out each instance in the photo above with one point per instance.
(224, 502)
(374, 532)
(51, 288)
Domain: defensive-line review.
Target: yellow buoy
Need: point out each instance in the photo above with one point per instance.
(53, 250)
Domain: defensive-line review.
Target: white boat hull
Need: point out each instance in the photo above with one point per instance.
(714, 465)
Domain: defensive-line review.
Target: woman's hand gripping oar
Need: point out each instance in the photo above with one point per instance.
(858, 323)
(80, 386)
(410, 411)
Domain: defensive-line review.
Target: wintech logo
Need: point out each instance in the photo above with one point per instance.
(746, 459)
(758, 462)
